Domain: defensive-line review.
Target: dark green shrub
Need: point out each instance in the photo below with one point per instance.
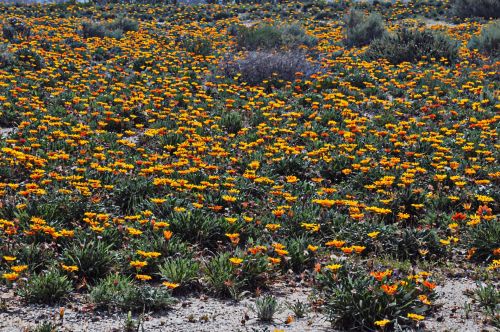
(48, 287)
(93, 258)
(220, 277)
(14, 30)
(355, 300)
(476, 8)
(28, 59)
(488, 41)
(361, 29)
(6, 57)
(198, 46)
(412, 45)
(124, 24)
(114, 29)
(268, 37)
(183, 271)
(116, 291)
(484, 238)
(232, 122)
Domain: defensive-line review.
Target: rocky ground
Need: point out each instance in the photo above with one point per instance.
(456, 312)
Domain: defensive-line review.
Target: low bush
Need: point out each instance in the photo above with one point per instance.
(488, 41)
(114, 29)
(6, 57)
(28, 59)
(232, 122)
(361, 29)
(48, 287)
(119, 292)
(269, 37)
(219, 274)
(361, 301)
(484, 238)
(257, 67)
(476, 8)
(182, 271)
(266, 307)
(198, 46)
(413, 45)
(94, 259)
(14, 30)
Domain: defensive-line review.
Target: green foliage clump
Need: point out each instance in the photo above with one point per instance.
(271, 37)
(198, 46)
(488, 41)
(355, 299)
(26, 58)
(484, 238)
(48, 287)
(413, 45)
(183, 271)
(94, 259)
(266, 307)
(121, 292)
(476, 8)
(15, 30)
(114, 29)
(361, 29)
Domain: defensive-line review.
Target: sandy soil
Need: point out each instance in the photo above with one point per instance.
(189, 314)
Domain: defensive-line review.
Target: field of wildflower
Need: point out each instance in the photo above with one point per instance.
(152, 153)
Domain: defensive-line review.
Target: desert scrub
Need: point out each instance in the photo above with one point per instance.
(361, 29)
(488, 41)
(15, 30)
(413, 45)
(272, 37)
(476, 8)
(48, 287)
(114, 29)
(119, 292)
(29, 59)
(272, 67)
(358, 300)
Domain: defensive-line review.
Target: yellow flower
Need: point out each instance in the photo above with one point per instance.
(9, 258)
(273, 227)
(235, 260)
(138, 264)
(373, 235)
(333, 267)
(415, 317)
(69, 268)
(312, 248)
(143, 277)
(382, 322)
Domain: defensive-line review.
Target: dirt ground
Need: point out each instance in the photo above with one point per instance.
(202, 313)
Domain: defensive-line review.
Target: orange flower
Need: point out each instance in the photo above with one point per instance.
(170, 285)
(167, 235)
(335, 243)
(389, 290)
